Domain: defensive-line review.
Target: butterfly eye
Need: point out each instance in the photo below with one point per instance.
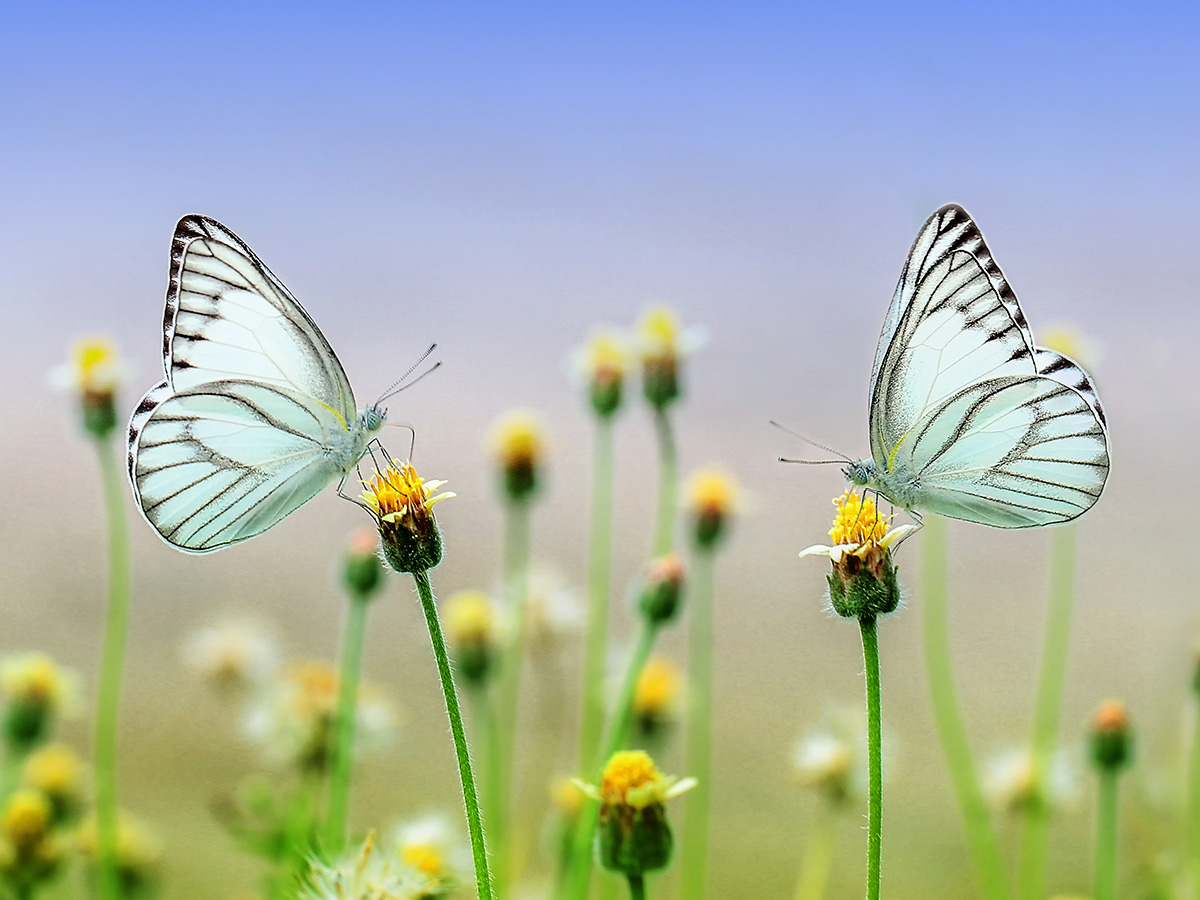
(374, 417)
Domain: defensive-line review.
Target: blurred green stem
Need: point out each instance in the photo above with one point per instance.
(599, 563)
(297, 836)
(818, 859)
(479, 854)
(695, 843)
(343, 754)
(870, 641)
(109, 699)
(618, 735)
(637, 887)
(668, 485)
(1104, 884)
(1192, 850)
(516, 588)
(981, 837)
(1031, 871)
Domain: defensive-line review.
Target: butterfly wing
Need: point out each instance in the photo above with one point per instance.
(223, 461)
(254, 416)
(228, 316)
(968, 417)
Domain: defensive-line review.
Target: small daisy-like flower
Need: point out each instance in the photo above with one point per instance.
(232, 655)
(402, 503)
(25, 822)
(712, 498)
(604, 362)
(656, 695)
(296, 717)
(1111, 738)
(139, 855)
(832, 758)
(863, 581)
(634, 836)
(36, 691)
(368, 873)
(473, 633)
(93, 373)
(1011, 781)
(433, 847)
(56, 772)
(662, 343)
(519, 442)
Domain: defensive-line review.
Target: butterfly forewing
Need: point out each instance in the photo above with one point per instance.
(228, 316)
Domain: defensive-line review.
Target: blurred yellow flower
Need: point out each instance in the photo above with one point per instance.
(656, 695)
(56, 771)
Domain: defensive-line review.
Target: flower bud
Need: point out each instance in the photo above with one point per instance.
(362, 572)
(1111, 739)
(520, 445)
(656, 696)
(659, 339)
(471, 630)
(35, 689)
(93, 374)
(56, 772)
(605, 360)
(712, 496)
(403, 503)
(660, 598)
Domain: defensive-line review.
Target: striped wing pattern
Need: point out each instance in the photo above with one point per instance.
(969, 419)
(253, 417)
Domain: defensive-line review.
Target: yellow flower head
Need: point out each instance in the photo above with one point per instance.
(632, 780)
(138, 852)
(33, 678)
(606, 358)
(471, 618)
(92, 373)
(26, 821)
(659, 333)
(657, 690)
(857, 521)
(712, 496)
(56, 771)
(518, 440)
(661, 345)
(435, 848)
(567, 796)
(403, 504)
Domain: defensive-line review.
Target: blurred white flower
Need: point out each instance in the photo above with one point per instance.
(232, 655)
(435, 847)
(833, 758)
(1009, 780)
(368, 873)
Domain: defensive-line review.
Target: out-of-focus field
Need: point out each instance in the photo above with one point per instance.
(500, 184)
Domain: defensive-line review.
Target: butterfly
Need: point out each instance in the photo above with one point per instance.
(255, 415)
(969, 418)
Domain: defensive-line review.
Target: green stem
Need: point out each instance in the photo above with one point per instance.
(818, 860)
(698, 764)
(981, 837)
(668, 485)
(1104, 886)
(618, 737)
(870, 641)
(1031, 872)
(108, 701)
(343, 754)
(1192, 848)
(483, 877)
(516, 586)
(637, 887)
(485, 714)
(297, 837)
(599, 565)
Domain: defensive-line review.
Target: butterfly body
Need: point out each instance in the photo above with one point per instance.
(969, 418)
(255, 415)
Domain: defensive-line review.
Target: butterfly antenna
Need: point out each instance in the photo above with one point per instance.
(807, 440)
(403, 383)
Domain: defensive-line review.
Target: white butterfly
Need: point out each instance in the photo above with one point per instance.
(969, 418)
(255, 416)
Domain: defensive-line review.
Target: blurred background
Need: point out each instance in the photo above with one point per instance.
(500, 178)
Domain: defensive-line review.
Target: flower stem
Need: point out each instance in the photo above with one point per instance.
(668, 484)
(1031, 872)
(108, 701)
(981, 837)
(818, 861)
(599, 564)
(1104, 884)
(698, 764)
(1192, 836)
(343, 754)
(618, 736)
(870, 641)
(483, 876)
(516, 587)
(637, 887)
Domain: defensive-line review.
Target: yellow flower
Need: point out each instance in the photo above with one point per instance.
(26, 821)
(634, 836)
(657, 694)
(567, 796)
(604, 361)
(139, 855)
(473, 635)
(661, 345)
(436, 849)
(519, 443)
(863, 582)
(712, 497)
(56, 771)
(93, 372)
(369, 873)
(36, 691)
(402, 503)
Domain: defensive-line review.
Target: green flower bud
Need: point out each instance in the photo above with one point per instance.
(403, 503)
(520, 442)
(660, 598)
(1111, 739)
(362, 571)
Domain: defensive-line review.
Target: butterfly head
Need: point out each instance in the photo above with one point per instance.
(372, 418)
(861, 473)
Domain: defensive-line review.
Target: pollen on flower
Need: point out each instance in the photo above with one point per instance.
(399, 493)
(658, 333)
(423, 858)
(857, 520)
(627, 771)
